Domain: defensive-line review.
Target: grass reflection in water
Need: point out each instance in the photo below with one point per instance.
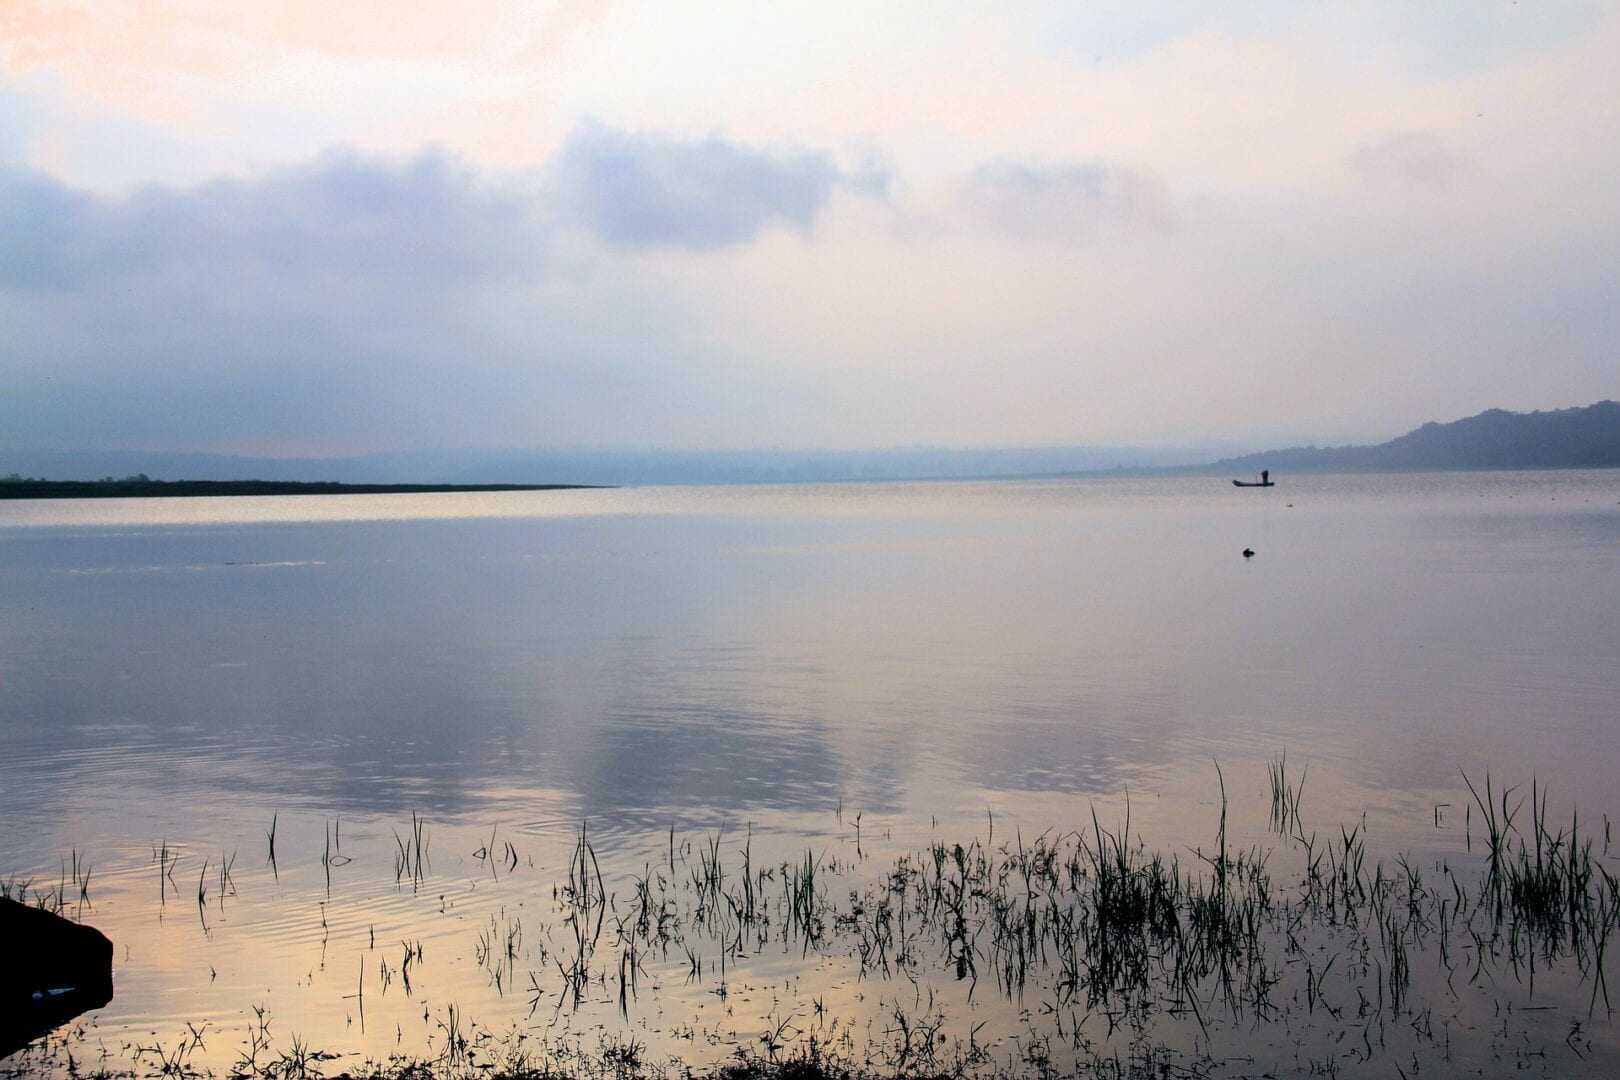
(1085, 952)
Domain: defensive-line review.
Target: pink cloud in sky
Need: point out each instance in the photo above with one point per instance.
(168, 61)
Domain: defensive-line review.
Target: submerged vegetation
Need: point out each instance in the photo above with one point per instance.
(1078, 953)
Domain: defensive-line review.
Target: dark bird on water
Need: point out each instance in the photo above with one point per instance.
(1248, 553)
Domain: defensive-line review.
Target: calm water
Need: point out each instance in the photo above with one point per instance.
(852, 668)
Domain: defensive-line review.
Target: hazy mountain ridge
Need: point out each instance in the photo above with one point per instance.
(1583, 437)
(1580, 437)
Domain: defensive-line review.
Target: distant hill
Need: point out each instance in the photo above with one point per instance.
(1578, 438)
(1561, 439)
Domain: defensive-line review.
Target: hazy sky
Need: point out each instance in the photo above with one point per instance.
(316, 227)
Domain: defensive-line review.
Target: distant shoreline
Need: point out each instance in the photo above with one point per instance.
(157, 489)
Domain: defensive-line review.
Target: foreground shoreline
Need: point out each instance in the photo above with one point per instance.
(160, 489)
(1112, 959)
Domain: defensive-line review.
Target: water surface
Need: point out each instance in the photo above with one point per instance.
(817, 663)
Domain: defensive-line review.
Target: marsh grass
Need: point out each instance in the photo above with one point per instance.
(1121, 959)
(1285, 796)
(499, 860)
(1097, 926)
(167, 859)
(52, 898)
(68, 895)
(1549, 895)
(410, 855)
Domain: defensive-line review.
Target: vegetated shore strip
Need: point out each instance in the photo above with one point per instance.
(154, 489)
(1135, 964)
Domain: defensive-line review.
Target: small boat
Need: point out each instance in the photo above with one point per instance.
(1254, 483)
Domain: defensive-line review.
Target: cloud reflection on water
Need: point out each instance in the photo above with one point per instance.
(836, 647)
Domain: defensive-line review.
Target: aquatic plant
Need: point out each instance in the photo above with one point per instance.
(1118, 958)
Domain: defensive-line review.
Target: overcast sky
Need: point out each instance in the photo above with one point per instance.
(309, 227)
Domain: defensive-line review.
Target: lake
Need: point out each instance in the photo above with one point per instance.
(433, 707)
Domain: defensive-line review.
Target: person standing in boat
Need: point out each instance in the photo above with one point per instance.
(1265, 476)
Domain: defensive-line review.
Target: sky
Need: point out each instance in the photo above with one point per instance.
(307, 228)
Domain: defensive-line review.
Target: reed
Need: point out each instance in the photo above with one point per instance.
(410, 855)
(1285, 796)
(1108, 942)
(167, 859)
(80, 878)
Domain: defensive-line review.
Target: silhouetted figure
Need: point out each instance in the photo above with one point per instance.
(1248, 553)
(1265, 476)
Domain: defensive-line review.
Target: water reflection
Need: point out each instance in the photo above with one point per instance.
(925, 659)
(834, 640)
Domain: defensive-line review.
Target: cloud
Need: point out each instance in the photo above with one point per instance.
(1416, 158)
(359, 300)
(39, 218)
(19, 122)
(1067, 200)
(425, 217)
(428, 216)
(645, 191)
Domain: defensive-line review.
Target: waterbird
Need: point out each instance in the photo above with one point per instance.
(1248, 553)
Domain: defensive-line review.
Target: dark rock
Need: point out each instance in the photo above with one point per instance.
(54, 970)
